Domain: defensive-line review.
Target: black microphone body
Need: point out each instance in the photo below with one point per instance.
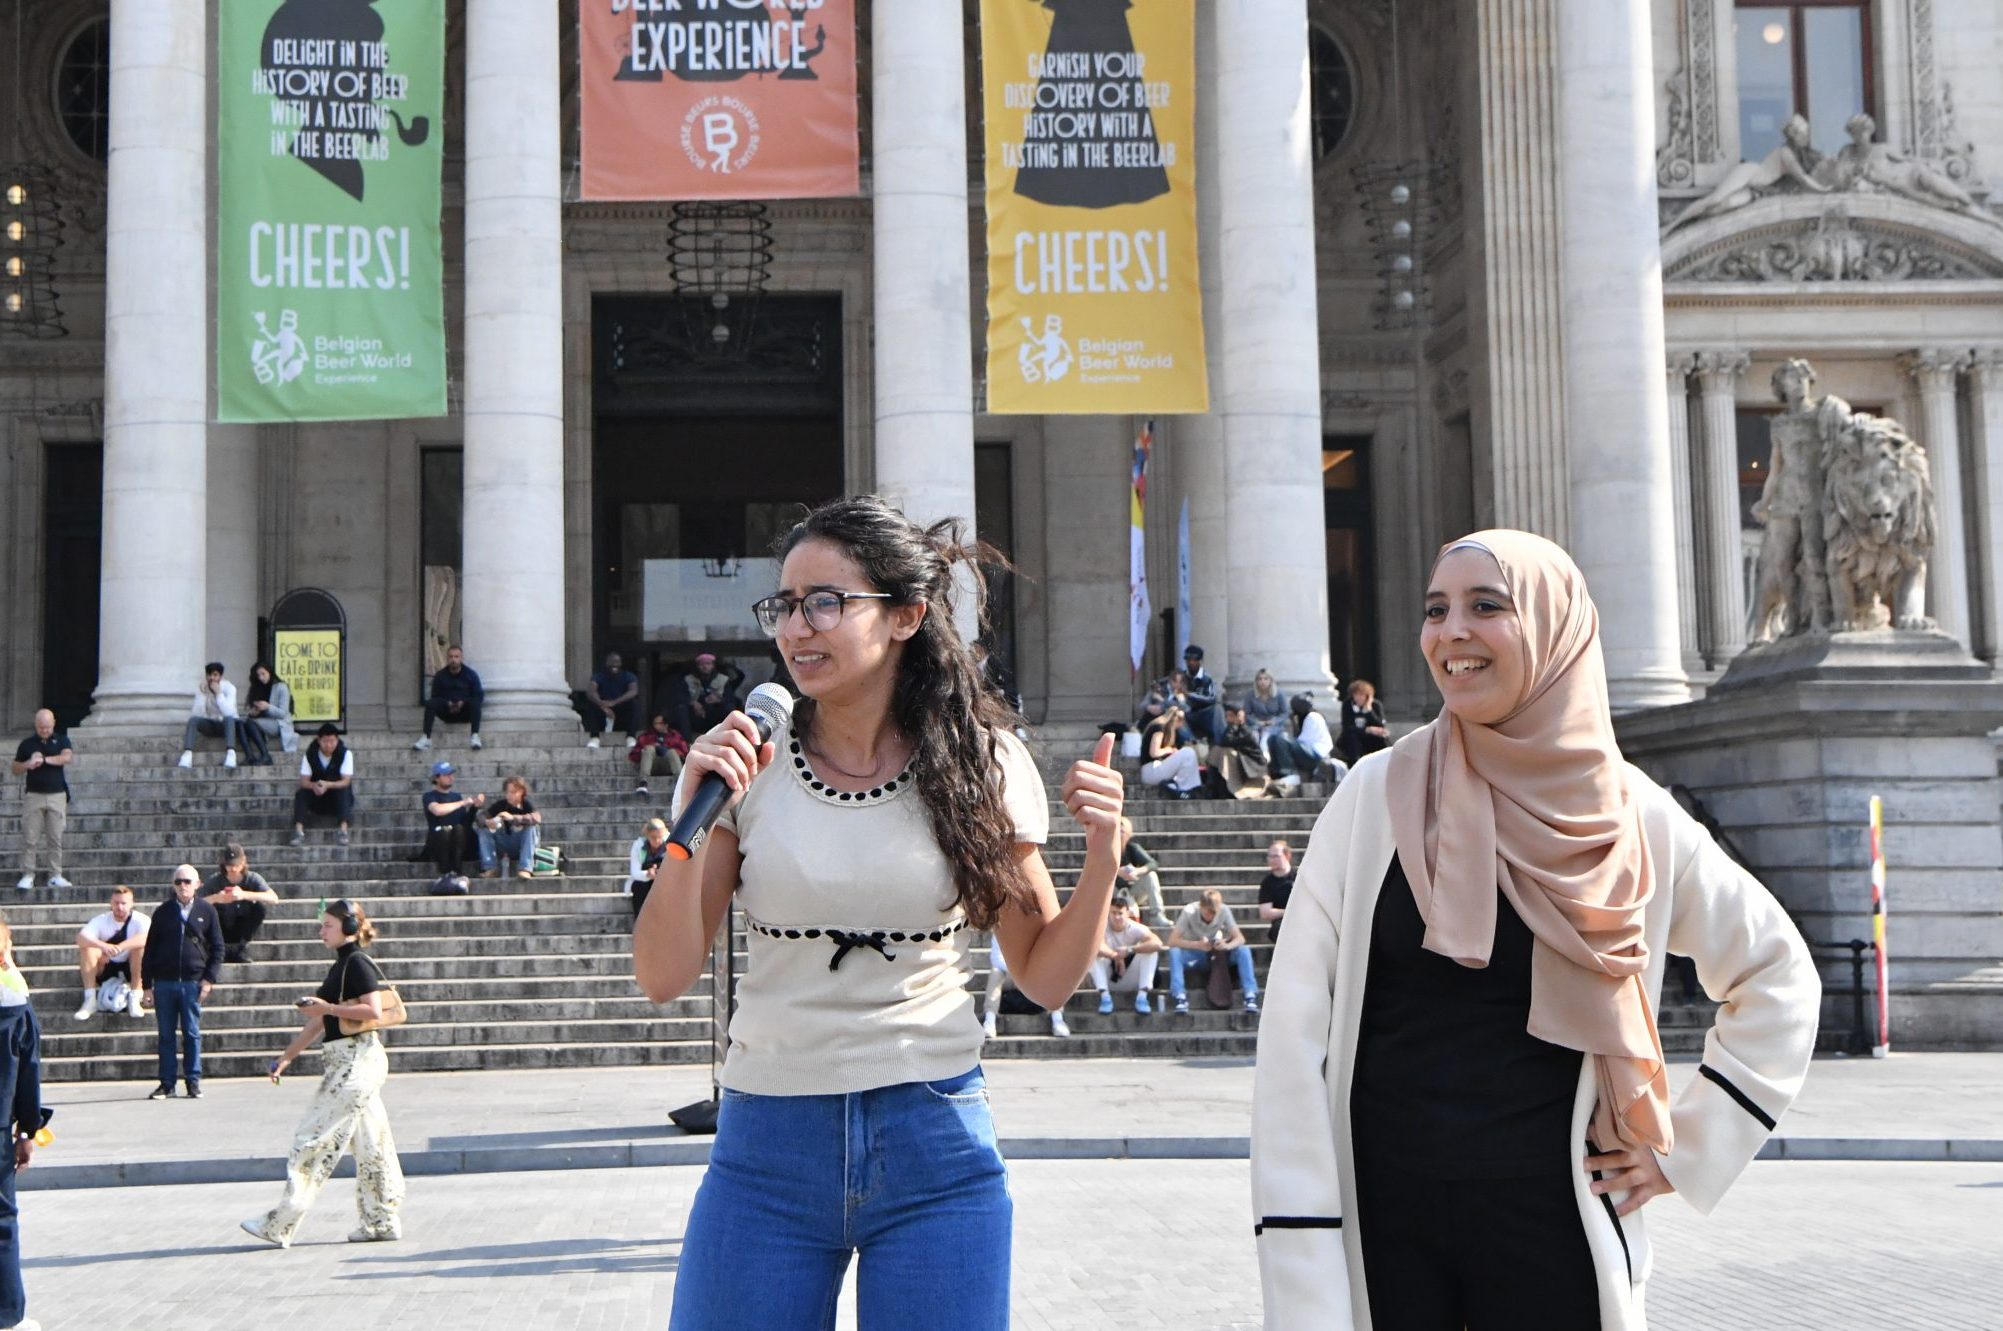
(768, 706)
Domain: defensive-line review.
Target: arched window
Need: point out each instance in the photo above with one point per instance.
(1331, 91)
(83, 89)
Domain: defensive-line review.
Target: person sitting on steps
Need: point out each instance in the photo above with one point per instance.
(240, 896)
(1128, 955)
(1167, 761)
(213, 713)
(326, 784)
(111, 952)
(456, 695)
(509, 830)
(1206, 938)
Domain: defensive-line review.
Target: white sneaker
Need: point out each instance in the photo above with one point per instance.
(229, 758)
(1291, 781)
(366, 1235)
(187, 758)
(1057, 1026)
(475, 743)
(631, 740)
(591, 743)
(57, 880)
(89, 1005)
(26, 882)
(132, 1008)
(255, 1228)
(988, 1025)
(422, 743)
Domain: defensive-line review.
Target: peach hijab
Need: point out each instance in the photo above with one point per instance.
(1538, 805)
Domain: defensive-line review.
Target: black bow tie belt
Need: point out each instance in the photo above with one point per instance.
(846, 941)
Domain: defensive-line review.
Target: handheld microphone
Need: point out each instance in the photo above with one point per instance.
(769, 706)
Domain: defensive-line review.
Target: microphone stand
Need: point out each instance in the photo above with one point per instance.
(700, 1117)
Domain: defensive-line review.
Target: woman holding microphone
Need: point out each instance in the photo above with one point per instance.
(902, 817)
(347, 1106)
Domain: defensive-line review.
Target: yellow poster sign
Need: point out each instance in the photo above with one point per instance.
(309, 661)
(1094, 302)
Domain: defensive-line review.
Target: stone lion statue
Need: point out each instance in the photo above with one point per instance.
(1878, 515)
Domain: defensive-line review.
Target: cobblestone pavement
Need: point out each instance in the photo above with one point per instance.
(1823, 1247)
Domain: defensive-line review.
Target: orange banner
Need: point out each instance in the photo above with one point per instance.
(718, 99)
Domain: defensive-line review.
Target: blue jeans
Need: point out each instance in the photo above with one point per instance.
(518, 845)
(177, 1006)
(1181, 957)
(907, 1178)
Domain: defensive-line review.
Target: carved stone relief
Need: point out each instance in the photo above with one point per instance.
(1835, 247)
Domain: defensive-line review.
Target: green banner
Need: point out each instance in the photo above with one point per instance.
(330, 270)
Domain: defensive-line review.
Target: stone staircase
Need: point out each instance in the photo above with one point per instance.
(523, 973)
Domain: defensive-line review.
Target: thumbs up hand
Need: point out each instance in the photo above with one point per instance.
(1094, 794)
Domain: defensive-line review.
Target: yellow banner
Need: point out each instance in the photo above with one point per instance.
(1094, 303)
(309, 661)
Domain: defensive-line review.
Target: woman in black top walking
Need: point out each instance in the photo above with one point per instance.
(347, 1105)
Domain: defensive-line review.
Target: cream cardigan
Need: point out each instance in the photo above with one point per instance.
(1749, 957)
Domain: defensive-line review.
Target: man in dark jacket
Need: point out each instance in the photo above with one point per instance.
(455, 696)
(184, 954)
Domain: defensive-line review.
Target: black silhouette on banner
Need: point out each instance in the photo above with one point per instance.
(326, 59)
(707, 47)
(1090, 142)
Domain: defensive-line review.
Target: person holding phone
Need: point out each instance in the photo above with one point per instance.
(347, 1105)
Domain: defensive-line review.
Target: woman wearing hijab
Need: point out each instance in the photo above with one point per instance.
(1465, 996)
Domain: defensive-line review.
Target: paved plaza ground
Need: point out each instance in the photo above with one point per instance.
(1822, 1247)
(1124, 1170)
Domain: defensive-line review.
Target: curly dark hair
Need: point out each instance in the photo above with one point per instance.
(940, 701)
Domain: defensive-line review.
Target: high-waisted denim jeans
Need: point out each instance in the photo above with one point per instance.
(907, 1178)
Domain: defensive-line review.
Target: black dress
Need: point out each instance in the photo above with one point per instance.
(1461, 1125)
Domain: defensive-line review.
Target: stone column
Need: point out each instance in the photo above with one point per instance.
(1725, 587)
(152, 632)
(1616, 418)
(1514, 296)
(1681, 484)
(1271, 398)
(1985, 387)
(1934, 370)
(1086, 469)
(924, 368)
(235, 587)
(1198, 441)
(513, 548)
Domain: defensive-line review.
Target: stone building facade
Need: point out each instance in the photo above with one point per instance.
(1448, 284)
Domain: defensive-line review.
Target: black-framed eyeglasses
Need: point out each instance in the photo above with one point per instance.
(823, 609)
(190, 882)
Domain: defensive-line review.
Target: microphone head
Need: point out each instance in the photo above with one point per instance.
(771, 707)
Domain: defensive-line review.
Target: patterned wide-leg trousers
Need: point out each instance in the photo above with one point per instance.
(346, 1107)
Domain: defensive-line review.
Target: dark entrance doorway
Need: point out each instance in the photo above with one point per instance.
(72, 546)
(1352, 581)
(699, 460)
